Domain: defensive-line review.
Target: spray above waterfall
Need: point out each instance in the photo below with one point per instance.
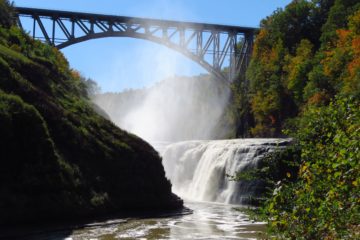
(178, 108)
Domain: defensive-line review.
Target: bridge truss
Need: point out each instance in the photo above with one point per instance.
(223, 51)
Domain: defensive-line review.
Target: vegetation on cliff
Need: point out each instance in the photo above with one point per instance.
(304, 76)
(59, 158)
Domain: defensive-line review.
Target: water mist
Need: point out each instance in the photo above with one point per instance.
(178, 108)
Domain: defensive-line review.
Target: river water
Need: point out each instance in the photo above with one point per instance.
(207, 221)
(204, 221)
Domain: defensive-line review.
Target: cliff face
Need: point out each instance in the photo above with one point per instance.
(59, 158)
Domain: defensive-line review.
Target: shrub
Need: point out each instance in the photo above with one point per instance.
(324, 202)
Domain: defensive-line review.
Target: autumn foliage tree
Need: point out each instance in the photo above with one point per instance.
(305, 79)
(298, 59)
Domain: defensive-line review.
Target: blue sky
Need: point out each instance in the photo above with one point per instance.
(120, 63)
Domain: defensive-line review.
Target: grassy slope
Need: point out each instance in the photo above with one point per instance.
(59, 159)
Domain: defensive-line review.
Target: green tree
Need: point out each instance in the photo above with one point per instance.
(323, 203)
(297, 68)
(6, 14)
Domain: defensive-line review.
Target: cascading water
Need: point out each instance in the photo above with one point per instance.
(179, 109)
(198, 169)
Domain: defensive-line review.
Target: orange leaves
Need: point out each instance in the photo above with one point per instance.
(354, 65)
(343, 61)
(334, 61)
(356, 45)
(75, 74)
(265, 107)
(265, 50)
(343, 37)
(318, 98)
(260, 40)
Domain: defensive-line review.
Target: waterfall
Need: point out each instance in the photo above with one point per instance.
(197, 169)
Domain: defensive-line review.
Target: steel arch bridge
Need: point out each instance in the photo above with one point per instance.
(210, 45)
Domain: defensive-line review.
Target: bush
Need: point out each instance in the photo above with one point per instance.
(324, 202)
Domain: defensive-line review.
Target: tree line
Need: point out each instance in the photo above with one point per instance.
(304, 82)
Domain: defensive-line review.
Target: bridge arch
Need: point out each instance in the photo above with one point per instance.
(157, 40)
(193, 40)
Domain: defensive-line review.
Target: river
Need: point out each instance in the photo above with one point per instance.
(207, 221)
(204, 221)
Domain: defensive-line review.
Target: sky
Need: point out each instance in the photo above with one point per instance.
(123, 63)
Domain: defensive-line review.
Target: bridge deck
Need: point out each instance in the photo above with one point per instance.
(135, 20)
